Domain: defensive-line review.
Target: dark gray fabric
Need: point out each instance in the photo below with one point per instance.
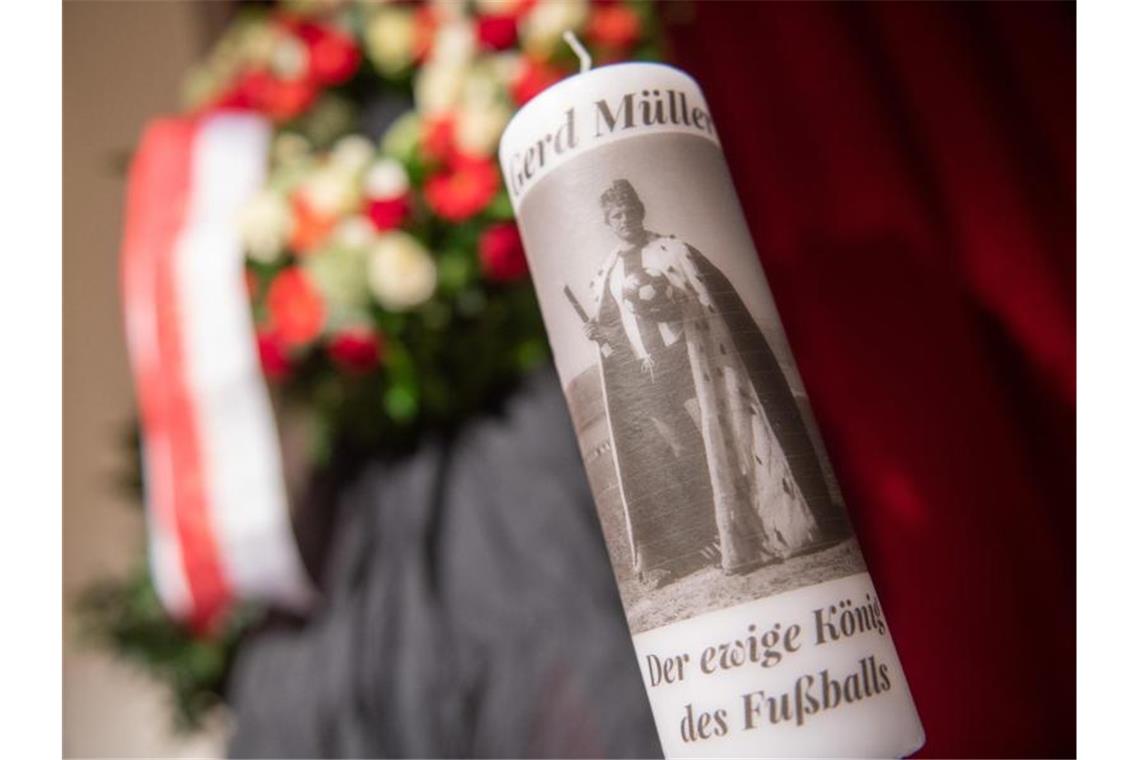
(470, 611)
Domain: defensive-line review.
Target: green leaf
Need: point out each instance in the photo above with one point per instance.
(500, 207)
(402, 401)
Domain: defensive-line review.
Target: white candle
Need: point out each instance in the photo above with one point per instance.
(755, 623)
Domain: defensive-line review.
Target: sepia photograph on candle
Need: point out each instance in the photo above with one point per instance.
(666, 551)
(756, 625)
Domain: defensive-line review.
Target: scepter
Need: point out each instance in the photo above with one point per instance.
(606, 348)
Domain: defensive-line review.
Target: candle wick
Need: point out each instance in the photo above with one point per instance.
(579, 50)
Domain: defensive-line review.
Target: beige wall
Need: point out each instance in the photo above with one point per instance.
(122, 62)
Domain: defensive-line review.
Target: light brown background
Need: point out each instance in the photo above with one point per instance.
(122, 63)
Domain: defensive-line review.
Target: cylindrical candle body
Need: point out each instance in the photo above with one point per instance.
(754, 620)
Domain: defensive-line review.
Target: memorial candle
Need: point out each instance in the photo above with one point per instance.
(755, 623)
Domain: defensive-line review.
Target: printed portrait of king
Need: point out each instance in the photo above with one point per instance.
(714, 460)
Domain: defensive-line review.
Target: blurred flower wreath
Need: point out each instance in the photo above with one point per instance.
(385, 272)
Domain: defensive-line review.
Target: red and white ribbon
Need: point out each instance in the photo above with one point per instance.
(218, 518)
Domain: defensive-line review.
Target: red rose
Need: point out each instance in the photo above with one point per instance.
(310, 227)
(388, 213)
(333, 56)
(289, 98)
(614, 26)
(534, 77)
(237, 95)
(462, 189)
(280, 99)
(438, 138)
(296, 311)
(501, 253)
(356, 350)
(497, 32)
(273, 355)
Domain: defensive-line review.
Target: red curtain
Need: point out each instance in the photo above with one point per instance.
(908, 171)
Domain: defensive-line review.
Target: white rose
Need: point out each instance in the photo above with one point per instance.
(543, 27)
(401, 273)
(290, 148)
(454, 43)
(403, 137)
(257, 42)
(478, 128)
(339, 273)
(438, 87)
(389, 38)
(352, 153)
(506, 67)
(265, 225)
(290, 57)
(386, 179)
(331, 191)
(355, 232)
(482, 85)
